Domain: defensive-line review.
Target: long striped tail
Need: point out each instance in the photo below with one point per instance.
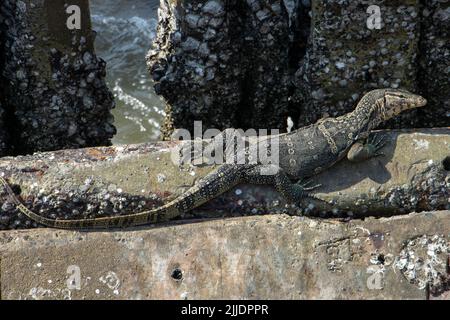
(212, 185)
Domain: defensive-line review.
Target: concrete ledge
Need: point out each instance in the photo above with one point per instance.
(413, 176)
(270, 257)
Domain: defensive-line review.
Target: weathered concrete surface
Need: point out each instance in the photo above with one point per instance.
(413, 176)
(271, 257)
(54, 88)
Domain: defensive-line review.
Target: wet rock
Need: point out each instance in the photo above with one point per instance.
(177, 65)
(54, 82)
(271, 257)
(413, 176)
(214, 8)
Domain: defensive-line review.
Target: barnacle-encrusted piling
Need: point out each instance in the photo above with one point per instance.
(3, 132)
(227, 65)
(86, 183)
(54, 83)
(253, 63)
(350, 52)
(434, 75)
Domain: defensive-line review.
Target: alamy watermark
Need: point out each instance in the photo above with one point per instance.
(73, 282)
(374, 20)
(232, 146)
(73, 22)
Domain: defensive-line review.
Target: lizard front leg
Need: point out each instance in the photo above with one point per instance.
(277, 177)
(363, 151)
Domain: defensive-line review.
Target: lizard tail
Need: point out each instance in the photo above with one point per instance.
(212, 185)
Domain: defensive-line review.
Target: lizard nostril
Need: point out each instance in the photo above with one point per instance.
(446, 163)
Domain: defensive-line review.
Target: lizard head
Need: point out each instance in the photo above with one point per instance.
(395, 101)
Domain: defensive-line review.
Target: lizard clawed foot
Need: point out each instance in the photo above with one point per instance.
(304, 187)
(377, 142)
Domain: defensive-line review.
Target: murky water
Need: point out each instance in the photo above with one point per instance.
(125, 30)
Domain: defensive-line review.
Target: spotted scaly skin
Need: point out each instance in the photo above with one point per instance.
(303, 153)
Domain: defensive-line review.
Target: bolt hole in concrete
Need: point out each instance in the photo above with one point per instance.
(446, 163)
(177, 274)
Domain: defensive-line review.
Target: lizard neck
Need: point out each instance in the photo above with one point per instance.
(368, 115)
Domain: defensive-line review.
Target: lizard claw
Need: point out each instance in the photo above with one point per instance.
(313, 196)
(306, 185)
(378, 141)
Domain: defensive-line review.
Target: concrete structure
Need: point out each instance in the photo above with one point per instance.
(413, 176)
(270, 257)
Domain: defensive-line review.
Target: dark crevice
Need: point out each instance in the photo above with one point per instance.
(298, 40)
(9, 121)
(5, 120)
(245, 110)
(421, 56)
(446, 163)
(301, 30)
(16, 189)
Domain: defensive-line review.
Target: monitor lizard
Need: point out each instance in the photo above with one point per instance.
(303, 153)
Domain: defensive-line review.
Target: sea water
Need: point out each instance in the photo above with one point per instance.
(125, 31)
